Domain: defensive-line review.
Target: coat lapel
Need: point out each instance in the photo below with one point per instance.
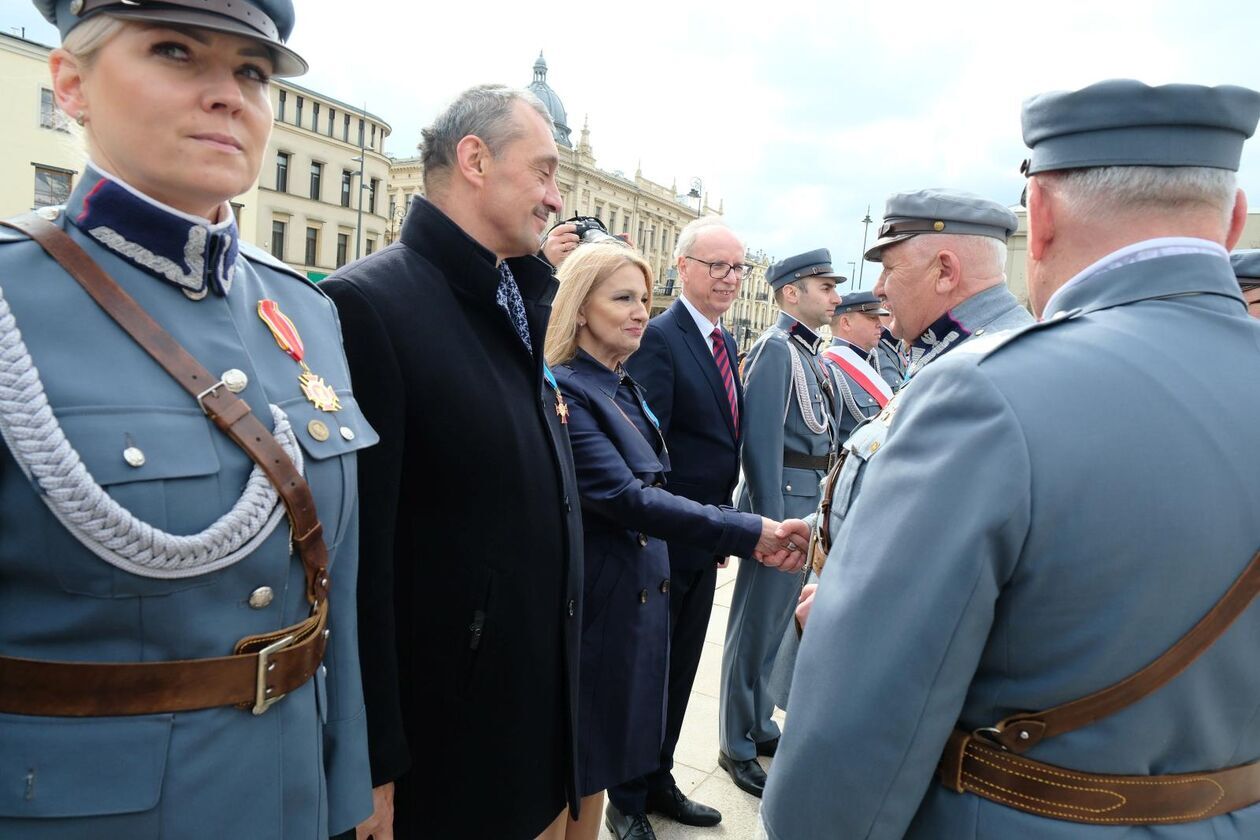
(700, 349)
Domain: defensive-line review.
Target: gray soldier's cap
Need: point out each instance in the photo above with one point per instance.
(267, 21)
(1126, 123)
(861, 302)
(910, 214)
(802, 266)
(1246, 267)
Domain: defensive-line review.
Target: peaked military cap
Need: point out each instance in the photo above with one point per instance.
(809, 264)
(1246, 267)
(1122, 122)
(945, 211)
(268, 21)
(861, 302)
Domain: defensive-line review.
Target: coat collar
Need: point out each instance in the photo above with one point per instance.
(192, 254)
(467, 263)
(608, 381)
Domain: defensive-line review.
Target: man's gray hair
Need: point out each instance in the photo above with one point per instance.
(1104, 192)
(485, 111)
(687, 236)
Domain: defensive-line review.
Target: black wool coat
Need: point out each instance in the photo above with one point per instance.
(471, 568)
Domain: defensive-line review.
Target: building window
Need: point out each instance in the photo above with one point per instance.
(236, 212)
(297, 112)
(345, 129)
(314, 116)
(277, 239)
(52, 186)
(312, 246)
(50, 116)
(372, 194)
(393, 205)
(360, 132)
(343, 248)
(317, 175)
(284, 95)
(332, 120)
(282, 171)
(346, 176)
(370, 245)
(373, 135)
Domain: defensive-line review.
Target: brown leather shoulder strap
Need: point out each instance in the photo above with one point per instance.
(230, 413)
(1020, 732)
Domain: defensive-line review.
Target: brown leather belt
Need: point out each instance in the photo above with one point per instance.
(989, 762)
(971, 766)
(801, 461)
(263, 668)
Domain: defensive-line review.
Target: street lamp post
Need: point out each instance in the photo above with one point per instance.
(866, 227)
(358, 224)
(852, 270)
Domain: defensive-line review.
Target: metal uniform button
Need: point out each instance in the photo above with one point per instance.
(235, 380)
(665, 586)
(317, 430)
(643, 597)
(980, 331)
(261, 597)
(875, 446)
(643, 541)
(133, 456)
(788, 488)
(347, 433)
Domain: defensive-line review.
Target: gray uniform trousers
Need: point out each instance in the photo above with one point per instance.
(777, 417)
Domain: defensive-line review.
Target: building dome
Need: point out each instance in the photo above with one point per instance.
(555, 107)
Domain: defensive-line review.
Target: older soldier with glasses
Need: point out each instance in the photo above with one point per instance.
(1055, 509)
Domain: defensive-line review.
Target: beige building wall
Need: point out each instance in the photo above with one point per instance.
(42, 155)
(41, 152)
(286, 209)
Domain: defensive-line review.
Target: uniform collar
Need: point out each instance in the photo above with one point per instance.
(1097, 287)
(809, 339)
(191, 253)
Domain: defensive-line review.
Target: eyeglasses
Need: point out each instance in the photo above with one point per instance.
(720, 270)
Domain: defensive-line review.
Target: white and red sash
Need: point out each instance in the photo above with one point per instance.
(860, 371)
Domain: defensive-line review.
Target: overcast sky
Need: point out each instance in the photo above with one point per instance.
(796, 114)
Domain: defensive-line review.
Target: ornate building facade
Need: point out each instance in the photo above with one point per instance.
(650, 213)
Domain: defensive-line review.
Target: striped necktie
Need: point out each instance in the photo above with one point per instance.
(723, 361)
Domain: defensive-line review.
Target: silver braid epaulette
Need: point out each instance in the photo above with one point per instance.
(106, 528)
(803, 400)
(847, 393)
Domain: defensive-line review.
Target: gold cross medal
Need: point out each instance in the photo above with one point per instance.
(562, 408)
(319, 392)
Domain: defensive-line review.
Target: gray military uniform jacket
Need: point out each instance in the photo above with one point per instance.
(300, 769)
(1048, 515)
(852, 403)
(786, 409)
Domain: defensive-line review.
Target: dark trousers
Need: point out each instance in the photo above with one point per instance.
(690, 604)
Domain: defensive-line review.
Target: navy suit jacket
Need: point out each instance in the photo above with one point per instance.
(675, 367)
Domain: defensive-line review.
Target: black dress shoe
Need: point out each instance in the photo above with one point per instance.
(628, 826)
(675, 805)
(768, 748)
(747, 775)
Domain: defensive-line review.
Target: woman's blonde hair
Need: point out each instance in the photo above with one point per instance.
(579, 275)
(85, 40)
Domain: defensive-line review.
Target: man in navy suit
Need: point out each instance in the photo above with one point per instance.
(687, 366)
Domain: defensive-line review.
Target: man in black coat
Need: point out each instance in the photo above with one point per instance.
(687, 364)
(471, 569)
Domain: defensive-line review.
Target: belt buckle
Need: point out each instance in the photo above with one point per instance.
(207, 393)
(263, 698)
(991, 736)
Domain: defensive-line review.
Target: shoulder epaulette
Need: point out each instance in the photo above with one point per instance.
(981, 347)
(255, 254)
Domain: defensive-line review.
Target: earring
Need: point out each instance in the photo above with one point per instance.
(79, 119)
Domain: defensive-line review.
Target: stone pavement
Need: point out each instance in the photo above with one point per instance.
(696, 758)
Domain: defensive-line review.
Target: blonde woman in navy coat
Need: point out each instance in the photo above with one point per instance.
(598, 319)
